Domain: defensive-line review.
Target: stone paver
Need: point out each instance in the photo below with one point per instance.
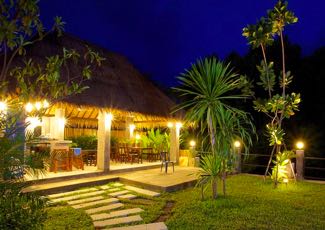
(105, 187)
(142, 191)
(85, 200)
(114, 189)
(125, 212)
(104, 208)
(115, 221)
(56, 195)
(115, 194)
(153, 226)
(117, 184)
(127, 197)
(107, 201)
(68, 198)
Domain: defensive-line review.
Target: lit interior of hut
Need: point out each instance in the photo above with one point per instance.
(69, 132)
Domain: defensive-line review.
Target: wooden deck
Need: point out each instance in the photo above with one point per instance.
(152, 179)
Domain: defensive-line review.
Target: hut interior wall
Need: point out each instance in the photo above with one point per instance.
(76, 132)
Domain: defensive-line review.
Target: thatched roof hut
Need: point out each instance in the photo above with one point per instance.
(116, 86)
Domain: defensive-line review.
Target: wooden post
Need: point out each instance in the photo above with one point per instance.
(300, 154)
(174, 142)
(104, 141)
(58, 124)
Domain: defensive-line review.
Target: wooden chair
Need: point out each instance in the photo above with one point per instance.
(165, 160)
(134, 155)
(122, 154)
(89, 157)
(61, 158)
(77, 159)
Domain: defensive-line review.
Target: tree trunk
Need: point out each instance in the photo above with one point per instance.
(277, 167)
(212, 134)
(214, 188)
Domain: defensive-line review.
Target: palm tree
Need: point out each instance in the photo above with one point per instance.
(207, 90)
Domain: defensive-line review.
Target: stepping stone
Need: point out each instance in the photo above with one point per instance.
(117, 184)
(119, 213)
(104, 208)
(72, 192)
(114, 189)
(142, 191)
(115, 194)
(107, 201)
(68, 198)
(105, 187)
(85, 200)
(153, 226)
(115, 221)
(127, 196)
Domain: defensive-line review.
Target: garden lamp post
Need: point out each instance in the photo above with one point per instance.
(191, 152)
(300, 154)
(237, 146)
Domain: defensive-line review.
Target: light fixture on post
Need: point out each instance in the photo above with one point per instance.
(192, 143)
(191, 152)
(300, 155)
(237, 146)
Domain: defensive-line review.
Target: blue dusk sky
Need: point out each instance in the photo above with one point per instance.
(162, 37)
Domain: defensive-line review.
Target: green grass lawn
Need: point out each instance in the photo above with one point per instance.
(250, 203)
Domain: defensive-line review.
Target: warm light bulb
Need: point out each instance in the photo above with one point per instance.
(109, 116)
(61, 122)
(170, 125)
(137, 136)
(179, 125)
(300, 145)
(237, 144)
(3, 106)
(38, 105)
(45, 104)
(192, 143)
(29, 107)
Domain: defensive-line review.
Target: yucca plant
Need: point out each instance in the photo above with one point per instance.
(207, 90)
(210, 170)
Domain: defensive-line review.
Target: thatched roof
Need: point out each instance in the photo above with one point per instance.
(116, 84)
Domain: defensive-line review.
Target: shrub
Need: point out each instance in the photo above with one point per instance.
(20, 210)
(85, 142)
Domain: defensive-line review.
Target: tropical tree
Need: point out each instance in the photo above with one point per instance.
(19, 85)
(277, 106)
(207, 90)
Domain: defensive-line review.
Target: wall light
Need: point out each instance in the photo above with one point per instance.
(3, 106)
(132, 128)
(38, 105)
(29, 107)
(179, 125)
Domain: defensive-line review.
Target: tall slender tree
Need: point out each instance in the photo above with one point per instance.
(278, 105)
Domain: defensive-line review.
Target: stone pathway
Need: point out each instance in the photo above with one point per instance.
(105, 206)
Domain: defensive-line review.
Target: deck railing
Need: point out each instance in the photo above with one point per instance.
(313, 167)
